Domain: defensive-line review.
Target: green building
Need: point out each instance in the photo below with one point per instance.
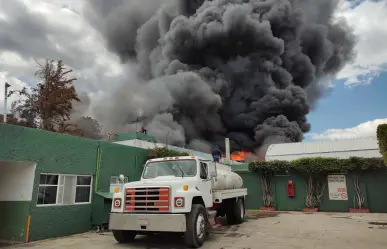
(55, 185)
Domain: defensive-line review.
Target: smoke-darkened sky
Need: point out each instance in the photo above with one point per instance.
(130, 58)
(247, 70)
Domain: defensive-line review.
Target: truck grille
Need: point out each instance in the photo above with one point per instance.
(151, 199)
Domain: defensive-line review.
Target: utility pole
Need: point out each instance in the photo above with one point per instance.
(5, 101)
(166, 139)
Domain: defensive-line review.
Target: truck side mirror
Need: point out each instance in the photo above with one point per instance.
(122, 178)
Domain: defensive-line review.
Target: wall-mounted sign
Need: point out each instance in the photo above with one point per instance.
(337, 187)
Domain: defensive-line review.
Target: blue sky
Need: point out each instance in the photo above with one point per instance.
(347, 107)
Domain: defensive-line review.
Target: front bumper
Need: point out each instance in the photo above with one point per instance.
(148, 222)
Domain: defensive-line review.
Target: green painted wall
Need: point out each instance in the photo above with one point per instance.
(53, 153)
(282, 201)
(115, 160)
(56, 221)
(254, 191)
(376, 183)
(13, 227)
(65, 154)
(373, 186)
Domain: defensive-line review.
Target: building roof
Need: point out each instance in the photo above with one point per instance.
(343, 145)
(134, 135)
(151, 145)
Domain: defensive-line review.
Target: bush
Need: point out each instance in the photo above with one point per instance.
(315, 171)
(267, 170)
(318, 165)
(269, 167)
(164, 152)
(381, 133)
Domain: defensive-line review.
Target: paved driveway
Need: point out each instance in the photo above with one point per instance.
(261, 230)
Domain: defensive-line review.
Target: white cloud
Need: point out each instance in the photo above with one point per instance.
(366, 129)
(369, 21)
(59, 31)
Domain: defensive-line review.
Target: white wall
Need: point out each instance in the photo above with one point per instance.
(16, 180)
(335, 154)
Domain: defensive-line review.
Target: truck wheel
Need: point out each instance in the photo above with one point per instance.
(239, 211)
(235, 212)
(124, 236)
(196, 232)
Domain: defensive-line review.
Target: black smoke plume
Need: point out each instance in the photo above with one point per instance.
(200, 71)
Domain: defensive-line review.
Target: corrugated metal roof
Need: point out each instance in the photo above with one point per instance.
(355, 144)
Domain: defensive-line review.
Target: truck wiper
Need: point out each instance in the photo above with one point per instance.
(182, 172)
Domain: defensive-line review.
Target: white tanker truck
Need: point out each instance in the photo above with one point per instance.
(178, 194)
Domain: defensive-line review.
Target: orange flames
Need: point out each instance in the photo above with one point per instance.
(240, 155)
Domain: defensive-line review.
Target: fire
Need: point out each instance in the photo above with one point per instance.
(240, 155)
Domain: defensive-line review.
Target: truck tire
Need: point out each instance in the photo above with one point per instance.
(124, 236)
(196, 222)
(235, 212)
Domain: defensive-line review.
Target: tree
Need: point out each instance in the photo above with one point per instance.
(48, 105)
(10, 119)
(381, 133)
(89, 126)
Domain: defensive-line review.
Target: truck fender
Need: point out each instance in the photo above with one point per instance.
(197, 199)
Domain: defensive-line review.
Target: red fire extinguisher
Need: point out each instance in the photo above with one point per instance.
(290, 188)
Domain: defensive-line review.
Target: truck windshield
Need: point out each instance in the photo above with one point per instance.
(177, 168)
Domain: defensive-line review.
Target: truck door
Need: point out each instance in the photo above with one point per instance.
(205, 184)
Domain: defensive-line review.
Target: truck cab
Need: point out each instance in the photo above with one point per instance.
(174, 194)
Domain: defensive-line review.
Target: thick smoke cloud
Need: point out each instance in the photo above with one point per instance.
(200, 71)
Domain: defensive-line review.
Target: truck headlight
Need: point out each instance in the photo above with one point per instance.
(117, 202)
(179, 202)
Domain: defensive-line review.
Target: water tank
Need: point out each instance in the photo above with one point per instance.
(226, 179)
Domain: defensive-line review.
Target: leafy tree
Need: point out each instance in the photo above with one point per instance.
(89, 126)
(48, 105)
(164, 152)
(381, 133)
(11, 119)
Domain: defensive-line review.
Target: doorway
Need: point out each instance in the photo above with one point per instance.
(16, 187)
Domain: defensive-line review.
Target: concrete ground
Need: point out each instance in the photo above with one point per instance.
(261, 230)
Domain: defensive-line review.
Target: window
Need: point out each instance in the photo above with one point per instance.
(203, 170)
(56, 189)
(177, 168)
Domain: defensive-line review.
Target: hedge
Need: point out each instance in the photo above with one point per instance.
(164, 152)
(318, 165)
(266, 168)
(381, 133)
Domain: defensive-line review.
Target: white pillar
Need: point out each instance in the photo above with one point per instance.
(227, 141)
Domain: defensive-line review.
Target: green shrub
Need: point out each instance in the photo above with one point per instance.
(381, 133)
(315, 171)
(164, 152)
(269, 167)
(318, 165)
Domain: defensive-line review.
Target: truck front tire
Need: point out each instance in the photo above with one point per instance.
(196, 231)
(124, 236)
(235, 211)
